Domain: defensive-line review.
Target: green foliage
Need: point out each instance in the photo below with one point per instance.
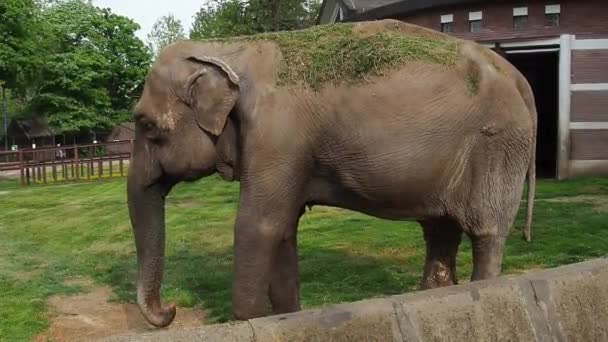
(78, 65)
(16, 17)
(166, 30)
(221, 18)
(334, 53)
(14, 105)
(227, 18)
(92, 69)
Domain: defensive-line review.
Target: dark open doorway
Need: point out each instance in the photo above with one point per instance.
(542, 71)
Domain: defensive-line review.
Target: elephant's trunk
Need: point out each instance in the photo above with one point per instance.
(147, 212)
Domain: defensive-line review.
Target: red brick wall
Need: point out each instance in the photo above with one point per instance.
(589, 144)
(589, 106)
(590, 66)
(584, 18)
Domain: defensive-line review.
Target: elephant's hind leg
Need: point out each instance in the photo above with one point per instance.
(442, 236)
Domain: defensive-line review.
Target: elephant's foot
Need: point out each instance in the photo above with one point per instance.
(438, 275)
(487, 256)
(442, 237)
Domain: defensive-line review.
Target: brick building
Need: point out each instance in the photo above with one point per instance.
(561, 46)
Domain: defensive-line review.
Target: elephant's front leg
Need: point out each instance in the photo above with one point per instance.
(265, 259)
(284, 283)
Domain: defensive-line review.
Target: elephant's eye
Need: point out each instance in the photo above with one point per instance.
(149, 126)
(152, 131)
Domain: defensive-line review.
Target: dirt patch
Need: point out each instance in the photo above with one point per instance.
(24, 275)
(592, 189)
(599, 202)
(91, 316)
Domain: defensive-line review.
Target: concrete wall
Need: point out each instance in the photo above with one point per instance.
(563, 304)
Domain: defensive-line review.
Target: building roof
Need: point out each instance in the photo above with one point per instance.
(36, 128)
(366, 5)
(406, 6)
(122, 131)
(350, 6)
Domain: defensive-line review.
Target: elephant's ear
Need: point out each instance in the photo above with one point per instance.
(212, 92)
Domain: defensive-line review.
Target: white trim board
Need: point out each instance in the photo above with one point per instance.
(590, 44)
(539, 42)
(589, 125)
(589, 167)
(563, 133)
(589, 87)
(532, 51)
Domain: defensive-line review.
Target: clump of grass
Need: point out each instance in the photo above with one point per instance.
(472, 82)
(335, 53)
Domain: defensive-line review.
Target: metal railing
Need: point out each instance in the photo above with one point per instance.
(68, 163)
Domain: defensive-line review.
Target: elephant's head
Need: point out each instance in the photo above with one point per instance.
(180, 117)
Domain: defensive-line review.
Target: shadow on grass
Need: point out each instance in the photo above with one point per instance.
(196, 278)
(352, 258)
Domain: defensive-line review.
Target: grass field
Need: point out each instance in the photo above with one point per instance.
(50, 234)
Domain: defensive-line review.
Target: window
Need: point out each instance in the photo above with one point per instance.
(552, 13)
(475, 21)
(338, 14)
(447, 23)
(520, 18)
(447, 27)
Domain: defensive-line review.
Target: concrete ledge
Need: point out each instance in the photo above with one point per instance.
(568, 303)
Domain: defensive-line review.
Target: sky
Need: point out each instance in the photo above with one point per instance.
(145, 12)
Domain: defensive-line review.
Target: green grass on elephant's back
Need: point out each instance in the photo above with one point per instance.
(56, 233)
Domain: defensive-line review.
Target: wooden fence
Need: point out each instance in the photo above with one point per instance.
(68, 163)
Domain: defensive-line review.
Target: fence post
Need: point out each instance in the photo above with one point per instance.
(34, 167)
(44, 172)
(76, 162)
(21, 170)
(100, 166)
(90, 163)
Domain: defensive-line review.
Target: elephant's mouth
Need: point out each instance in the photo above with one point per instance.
(226, 172)
(192, 175)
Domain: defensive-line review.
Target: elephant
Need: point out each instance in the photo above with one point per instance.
(384, 118)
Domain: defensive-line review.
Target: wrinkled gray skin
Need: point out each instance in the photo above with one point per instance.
(414, 144)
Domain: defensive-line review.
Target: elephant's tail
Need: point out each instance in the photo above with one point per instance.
(531, 193)
(528, 96)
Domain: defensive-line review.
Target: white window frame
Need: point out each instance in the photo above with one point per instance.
(553, 9)
(447, 18)
(338, 14)
(474, 16)
(520, 11)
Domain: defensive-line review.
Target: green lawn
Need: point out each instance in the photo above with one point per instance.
(49, 234)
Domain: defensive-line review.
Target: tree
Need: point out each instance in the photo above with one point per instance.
(15, 22)
(225, 18)
(221, 18)
(274, 15)
(166, 30)
(92, 67)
